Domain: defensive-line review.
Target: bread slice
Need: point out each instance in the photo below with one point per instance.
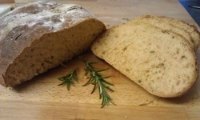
(177, 24)
(160, 61)
(166, 25)
(39, 36)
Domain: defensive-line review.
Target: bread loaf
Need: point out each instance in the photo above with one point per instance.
(39, 36)
(160, 61)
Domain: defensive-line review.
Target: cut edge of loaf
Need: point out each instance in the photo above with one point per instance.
(165, 25)
(44, 51)
(192, 29)
(194, 33)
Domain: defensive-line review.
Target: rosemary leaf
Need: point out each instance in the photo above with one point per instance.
(99, 82)
(69, 79)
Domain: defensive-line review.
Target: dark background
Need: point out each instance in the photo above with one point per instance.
(194, 12)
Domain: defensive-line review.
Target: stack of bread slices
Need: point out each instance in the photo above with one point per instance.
(157, 53)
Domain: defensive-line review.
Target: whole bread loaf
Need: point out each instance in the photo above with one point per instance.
(159, 60)
(39, 36)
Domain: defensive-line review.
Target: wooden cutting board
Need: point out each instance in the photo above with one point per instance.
(7, 1)
(43, 99)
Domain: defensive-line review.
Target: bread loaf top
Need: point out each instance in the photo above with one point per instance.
(20, 27)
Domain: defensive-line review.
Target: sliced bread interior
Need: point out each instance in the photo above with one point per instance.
(160, 61)
(51, 50)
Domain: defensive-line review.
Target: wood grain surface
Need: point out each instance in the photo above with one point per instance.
(42, 98)
(7, 1)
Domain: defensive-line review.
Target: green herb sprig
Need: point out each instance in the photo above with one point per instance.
(69, 79)
(96, 79)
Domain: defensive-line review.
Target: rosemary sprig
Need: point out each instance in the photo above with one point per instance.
(69, 79)
(98, 81)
